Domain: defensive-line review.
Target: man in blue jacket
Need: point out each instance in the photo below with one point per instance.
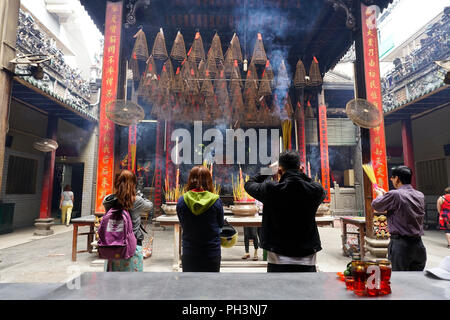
(289, 229)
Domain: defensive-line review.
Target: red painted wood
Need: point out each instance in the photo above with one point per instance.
(408, 148)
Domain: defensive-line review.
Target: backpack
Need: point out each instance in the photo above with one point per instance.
(116, 240)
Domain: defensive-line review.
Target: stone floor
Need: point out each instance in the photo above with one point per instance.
(28, 258)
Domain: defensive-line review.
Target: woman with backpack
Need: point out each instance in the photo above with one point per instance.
(201, 216)
(443, 207)
(125, 198)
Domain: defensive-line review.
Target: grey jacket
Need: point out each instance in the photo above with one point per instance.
(140, 206)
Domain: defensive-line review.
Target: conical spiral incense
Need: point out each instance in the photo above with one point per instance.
(216, 48)
(190, 75)
(134, 66)
(159, 50)
(259, 53)
(264, 85)
(140, 49)
(178, 84)
(315, 78)
(198, 51)
(236, 48)
(201, 69)
(300, 75)
(211, 65)
(178, 49)
(229, 62)
(270, 74)
(235, 76)
(252, 77)
(207, 87)
(288, 107)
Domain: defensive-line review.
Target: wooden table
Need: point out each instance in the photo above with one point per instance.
(360, 222)
(251, 221)
(80, 222)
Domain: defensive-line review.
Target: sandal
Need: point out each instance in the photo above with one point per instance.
(246, 256)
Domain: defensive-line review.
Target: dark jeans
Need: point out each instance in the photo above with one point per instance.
(289, 268)
(200, 263)
(250, 233)
(407, 254)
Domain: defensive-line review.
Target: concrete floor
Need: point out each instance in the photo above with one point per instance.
(28, 258)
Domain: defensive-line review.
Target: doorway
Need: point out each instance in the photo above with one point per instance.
(68, 174)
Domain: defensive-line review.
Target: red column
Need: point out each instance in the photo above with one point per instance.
(408, 149)
(49, 168)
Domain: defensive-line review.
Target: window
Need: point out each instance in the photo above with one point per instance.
(21, 177)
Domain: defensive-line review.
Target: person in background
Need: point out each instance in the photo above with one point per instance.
(443, 207)
(405, 208)
(66, 205)
(125, 197)
(201, 217)
(251, 233)
(289, 229)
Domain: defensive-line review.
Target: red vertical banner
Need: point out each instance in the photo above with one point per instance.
(132, 133)
(323, 141)
(159, 164)
(301, 134)
(110, 74)
(373, 93)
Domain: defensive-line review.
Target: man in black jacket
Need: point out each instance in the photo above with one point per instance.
(289, 229)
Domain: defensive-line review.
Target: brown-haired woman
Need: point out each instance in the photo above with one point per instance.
(125, 197)
(66, 205)
(200, 212)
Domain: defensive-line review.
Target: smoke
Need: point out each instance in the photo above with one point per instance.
(274, 25)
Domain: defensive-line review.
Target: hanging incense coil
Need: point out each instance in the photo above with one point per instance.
(134, 66)
(237, 104)
(222, 90)
(179, 48)
(252, 77)
(300, 75)
(198, 51)
(229, 62)
(140, 49)
(216, 48)
(207, 87)
(236, 48)
(259, 53)
(189, 73)
(201, 71)
(288, 107)
(309, 112)
(270, 74)
(178, 83)
(264, 85)
(211, 64)
(159, 50)
(283, 81)
(166, 78)
(235, 76)
(315, 78)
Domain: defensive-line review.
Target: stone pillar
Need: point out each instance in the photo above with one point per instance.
(45, 221)
(408, 149)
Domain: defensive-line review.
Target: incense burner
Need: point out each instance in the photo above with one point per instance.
(170, 208)
(244, 208)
